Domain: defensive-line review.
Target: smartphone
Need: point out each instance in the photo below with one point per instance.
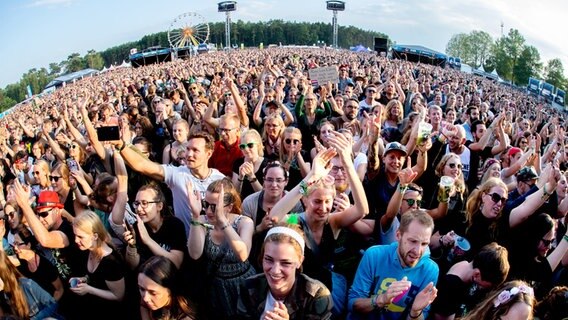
(72, 164)
(108, 133)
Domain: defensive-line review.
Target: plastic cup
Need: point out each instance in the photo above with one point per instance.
(445, 188)
(424, 130)
(459, 250)
(399, 297)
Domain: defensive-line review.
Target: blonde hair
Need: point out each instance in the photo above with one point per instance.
(15, 294)
(288, 130)
(459, 182)
(487, 310)
(90, 223)
(392, 104)
(474, 201)
(258, 139)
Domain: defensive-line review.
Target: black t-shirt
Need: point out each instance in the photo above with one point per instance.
(170, 236)
(45, 274)
(69, 261)
(452, 292)
(246, 188)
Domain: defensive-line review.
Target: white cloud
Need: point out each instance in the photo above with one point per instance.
(44, 3)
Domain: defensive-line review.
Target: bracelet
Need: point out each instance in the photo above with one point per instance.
(418, 316)
(304, 186)
(252, 180)
(402, 188)
(224, 226)
(374, 302)
(565, 237)
(545, 194)
(240, 180)
(201, 224)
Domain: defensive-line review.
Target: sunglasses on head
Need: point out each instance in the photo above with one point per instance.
(495, 197)
(411, 202)
(243, 146)
(453, 165)
(289, 141)
(54, 178)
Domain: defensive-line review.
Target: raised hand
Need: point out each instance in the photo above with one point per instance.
(407, 175)
(341, 145)
(194, 200)
(425, 297)
(321, 163)
(222, 219)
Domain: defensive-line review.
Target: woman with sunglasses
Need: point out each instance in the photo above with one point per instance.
(486, 219)
(40, 172)
(293, 157)
(279, 292)
(321, 228)
(247, 171)
(224, 236)
(535, 253)
(59, 179)
(35, 266)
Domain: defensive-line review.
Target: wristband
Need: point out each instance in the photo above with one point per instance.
(418, 316)
(252, 180)
(225, 226)
(240, 180)
(402, 188)
(201, 224)
(545, 194)
(374, 302)
(565, 237)
(304, 186)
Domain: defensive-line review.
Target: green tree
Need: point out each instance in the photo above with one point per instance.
(554, 73)
(94, 60)
(459, 46)
(480, 44)
(528, 65)
(54, 69)
(513, 47)
(74, 63)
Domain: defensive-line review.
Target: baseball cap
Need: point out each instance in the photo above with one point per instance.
(395, 146)
(48, 199)
(527, 173)
(513, 151)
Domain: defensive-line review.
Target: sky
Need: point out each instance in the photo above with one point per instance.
(34, 33)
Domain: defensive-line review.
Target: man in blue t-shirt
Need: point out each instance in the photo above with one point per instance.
(397, 281)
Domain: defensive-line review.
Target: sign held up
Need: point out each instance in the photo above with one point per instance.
(321, 76)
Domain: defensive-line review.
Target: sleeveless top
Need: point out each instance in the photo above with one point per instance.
(223, 262)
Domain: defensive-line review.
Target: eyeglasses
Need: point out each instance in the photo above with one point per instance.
(453, 165)
(11, 215)
(289, 141)
(411, 202)
(547, 243)
(144, 204)
(206, 205)
(44, 214)
(495, 197)
(243, 146)
(335, 169)
(54, 178)
(225, 130)
(272, 180)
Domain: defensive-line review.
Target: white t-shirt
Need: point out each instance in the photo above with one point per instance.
(176, 178)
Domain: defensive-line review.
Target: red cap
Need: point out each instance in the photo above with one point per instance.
(48, 199)
(513, 151)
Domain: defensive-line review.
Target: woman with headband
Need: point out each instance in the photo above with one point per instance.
(282, 291)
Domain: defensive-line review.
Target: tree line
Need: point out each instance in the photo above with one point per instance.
(250, 34)
(510, 55)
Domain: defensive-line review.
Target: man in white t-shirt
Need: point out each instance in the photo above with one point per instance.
(199, 150)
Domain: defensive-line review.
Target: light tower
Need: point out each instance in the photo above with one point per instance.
(227, 7)
(335, 5)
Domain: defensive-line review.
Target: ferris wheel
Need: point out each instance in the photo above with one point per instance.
(188, 29)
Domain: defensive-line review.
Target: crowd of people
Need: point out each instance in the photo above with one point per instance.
(233, 186)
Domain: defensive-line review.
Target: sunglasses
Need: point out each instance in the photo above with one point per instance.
(547, 243)
(206, 205)
(243, 146)
(11, 215)
(411, 202)
(44, 214)
(289, 141)
(495, 197)
(74, 146)
(453, 165)
(18, 244)
(223, 130)
(54, 178)
(37, 173)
